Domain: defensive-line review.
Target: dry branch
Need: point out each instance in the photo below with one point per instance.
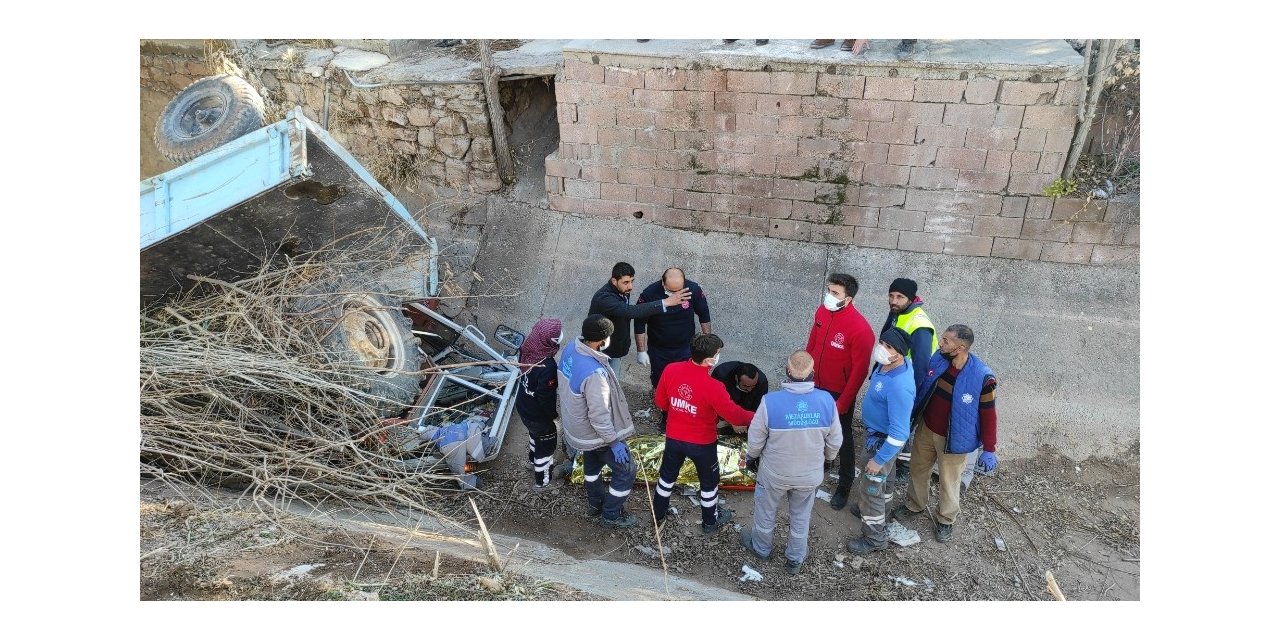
(236, 386)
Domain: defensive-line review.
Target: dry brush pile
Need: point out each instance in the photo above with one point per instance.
(237, 384)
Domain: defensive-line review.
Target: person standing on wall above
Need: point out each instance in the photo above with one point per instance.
(958, 407)
(840, 342)
(597, 422)
(795, 429)
(886, 412)
(613, 302)
(536, 395)
(746, 385)
(694, 400)
(664, 339)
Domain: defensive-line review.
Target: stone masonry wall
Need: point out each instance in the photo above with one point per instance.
(917, 159)
(436, 132)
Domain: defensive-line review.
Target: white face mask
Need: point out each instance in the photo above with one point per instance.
(713, 360)
(606, 344)
(560, 338)
(880, 354)
(831, 302)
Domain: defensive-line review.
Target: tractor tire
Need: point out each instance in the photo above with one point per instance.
(368, 334)
(209, 113)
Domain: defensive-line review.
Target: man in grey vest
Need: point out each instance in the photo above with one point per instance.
(794, 430)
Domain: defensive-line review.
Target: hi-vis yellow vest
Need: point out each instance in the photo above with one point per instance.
(916, 319)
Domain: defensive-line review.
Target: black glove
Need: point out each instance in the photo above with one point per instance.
(753, 464)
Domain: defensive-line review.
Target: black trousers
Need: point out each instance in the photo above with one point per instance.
(846, 447)
(705, 460)
(660, 357)
(542, 447)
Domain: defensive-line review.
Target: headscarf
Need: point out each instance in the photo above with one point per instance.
(541, 341)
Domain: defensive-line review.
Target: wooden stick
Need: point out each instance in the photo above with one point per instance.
(435, 569)
(497, 122)
(1052, 587)
(494, 559)
(1096, 79)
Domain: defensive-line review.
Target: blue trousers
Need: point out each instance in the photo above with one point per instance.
(621, 478)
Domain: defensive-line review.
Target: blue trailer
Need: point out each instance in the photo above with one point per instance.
(288, 188)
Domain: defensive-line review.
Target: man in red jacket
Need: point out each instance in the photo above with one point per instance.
(693, 401)
(840, 342)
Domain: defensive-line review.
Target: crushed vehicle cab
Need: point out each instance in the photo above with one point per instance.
(247, 194)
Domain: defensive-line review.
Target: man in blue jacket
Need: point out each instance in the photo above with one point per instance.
(664, 339)
(886, 412)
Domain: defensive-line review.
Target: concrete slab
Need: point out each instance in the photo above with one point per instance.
(1050, 56)
(1054, 58)
(357, 60)
(442, 64)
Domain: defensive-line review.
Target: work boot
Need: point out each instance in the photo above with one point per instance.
(861, 546)
(562, 470)
(760, 42)
(942, 533)
(624, 521)
(723, 516)
(818, 44)
(840, 498)
(793, 567)
(728, 41)
(901, 512)
(744, 536)
(906, 47)
(846, 45)
(594, 510)
(639, 40)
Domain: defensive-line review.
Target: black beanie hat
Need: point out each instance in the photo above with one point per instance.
(905, 286)
(596, 328)
(896, 338)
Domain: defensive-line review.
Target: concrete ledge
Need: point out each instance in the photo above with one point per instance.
(1052, 60)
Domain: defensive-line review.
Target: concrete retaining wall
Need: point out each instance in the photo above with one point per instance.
(1062, 339)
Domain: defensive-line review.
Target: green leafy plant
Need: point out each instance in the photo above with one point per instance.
(1060, 187)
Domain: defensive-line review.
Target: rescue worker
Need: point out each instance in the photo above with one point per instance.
(795, 429)
(886, 412)
(597, 422)
(536, 395)
(613, 302)
(906, 312)
(665, 338)
(694, 400)
(840, 342)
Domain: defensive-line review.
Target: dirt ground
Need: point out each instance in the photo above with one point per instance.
(1080, 521)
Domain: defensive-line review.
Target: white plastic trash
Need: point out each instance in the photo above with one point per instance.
(750, 574)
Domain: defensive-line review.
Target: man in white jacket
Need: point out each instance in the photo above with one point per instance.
(794, 430)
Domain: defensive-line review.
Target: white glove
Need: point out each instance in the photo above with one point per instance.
(642, 357)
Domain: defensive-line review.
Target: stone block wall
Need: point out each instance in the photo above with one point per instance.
(922, 159)
(437, 133)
